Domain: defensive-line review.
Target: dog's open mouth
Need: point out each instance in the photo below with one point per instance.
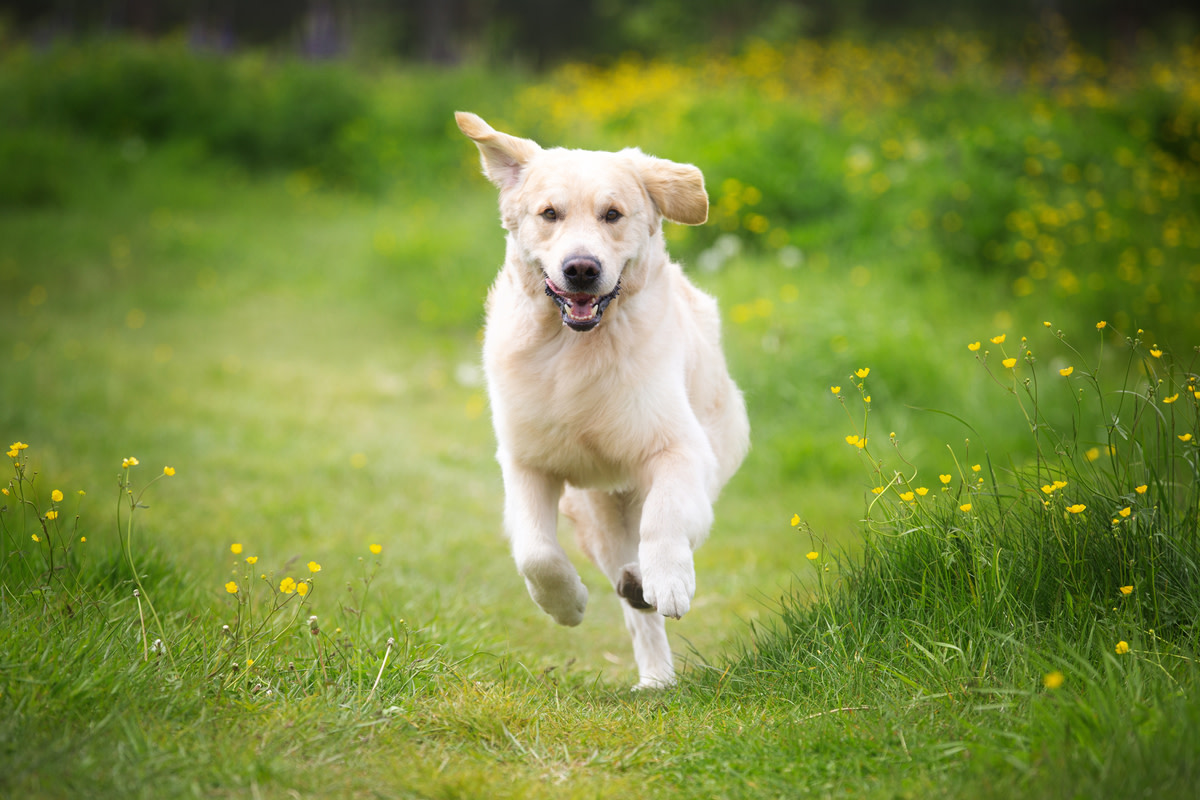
(580, 311)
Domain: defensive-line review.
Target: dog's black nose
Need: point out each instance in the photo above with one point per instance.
(581, 273)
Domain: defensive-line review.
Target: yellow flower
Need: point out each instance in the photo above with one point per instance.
(35, 537)
(287, 586)
(1066, 371)
(302, 588)
(866, 398)
(314, 566)
(1053, 680)
(83, 538)
(1047, 324)
(1186, 437)
(13, 453)
(945, 478)
(1172, 398)
(907, 496)
(18, 446)
(813, 556)
(1101, 325)
(973, 346)
(235, 548)
(862, 373)
(835, 389)
(1048, 489)
(976, 467)
(877, 490)
(231, 587)
(377, 549)
(129, 462)
(51, 515)
(1078, 508)
(1060, 484)
(965, 508)
(168, 471)
(922, 491)
(795, 521)
(1127, 590)
(56, 496)
(1122, 648)
(251, 559)
(1141, 489)
(1154, 351)
(1126, 511)
(1009, 362)
(998, 339)
(852, 439)
(1092, 454)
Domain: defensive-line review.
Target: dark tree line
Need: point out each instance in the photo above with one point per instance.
(538, 32)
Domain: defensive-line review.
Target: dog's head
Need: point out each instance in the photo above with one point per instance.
(584, 222)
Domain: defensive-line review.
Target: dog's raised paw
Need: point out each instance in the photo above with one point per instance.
(629, 586)
(668, 578)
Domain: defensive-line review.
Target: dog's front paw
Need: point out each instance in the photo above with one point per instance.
(563, 596)
(668, 577)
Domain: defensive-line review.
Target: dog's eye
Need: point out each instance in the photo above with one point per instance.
(613, 215)
(550, 215)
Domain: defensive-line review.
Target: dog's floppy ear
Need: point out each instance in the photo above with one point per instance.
(677, 189)
(503, 156)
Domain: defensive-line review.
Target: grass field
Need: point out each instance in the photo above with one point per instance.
(295, 335)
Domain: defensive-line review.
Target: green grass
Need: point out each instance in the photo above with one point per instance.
(299, 342)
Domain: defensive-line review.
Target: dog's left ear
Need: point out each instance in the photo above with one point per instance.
(677, 189)
(504, 157)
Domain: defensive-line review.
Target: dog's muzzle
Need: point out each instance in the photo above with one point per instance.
(580, 311)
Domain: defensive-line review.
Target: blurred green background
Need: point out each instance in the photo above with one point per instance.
(252, 244)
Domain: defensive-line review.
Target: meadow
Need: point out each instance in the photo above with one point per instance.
(250, 538)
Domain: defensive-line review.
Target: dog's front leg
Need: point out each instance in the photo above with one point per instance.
(531, 521)
(676, 518)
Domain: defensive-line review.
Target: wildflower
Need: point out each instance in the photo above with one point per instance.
(965, 508)
(973, 346)
(852, 439)
(126, 463)
(1047, 324)
(1009, 362)
(976, 467)
(377, 549)
(1122, 648)
(83, 539)
(1066, 371)
(235, 548)
(50, 515)
(795, 521)
(1154, 351)
(1126, 511)
(1078, 508)
(56, 496)
(231, 587)
(1126, 590)
(251, 559)
(998, 339)
(1172, 398)
(1053, 680)
(945, 478)
(1092, 454)
(168, 471)
(1141, 489)
(813, 555)
(835, 389)
(922, 491)
(907, 496)
(302, 588)
(287, 586)
(1186, 437)
(18, 446)
(866, 398)
(862, 373)
(36, 538)
(314, 566)
(1101, 325)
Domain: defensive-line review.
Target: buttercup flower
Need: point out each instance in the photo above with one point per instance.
(1186, 437)
(251, 559)
(835, 389)
(795, 521)
(231, 587)
(907, 496)
(1141, 489)
(1066, 371)
(168, 471)
(1172, 398)
(1078, 508)
(973, 346)
(1101, 325)
(287, 585)
(1053, 680)
(377, 549)
(56, 496)
(1154, 351)
(302, 588)
(862, 373)
(945, 478)
(998, 339)
(813, 556)
(129, 462)
(314, 566)
(1122, 648)
(1126, 590)
(1009, 362)
(1092, 454)
(35, 537)
(1126, 511)
(51, 515)
(922, 491)
(235, 548)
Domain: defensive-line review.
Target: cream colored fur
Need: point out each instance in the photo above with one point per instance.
(630, 424)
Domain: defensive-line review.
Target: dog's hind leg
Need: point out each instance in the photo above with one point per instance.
(606, 527)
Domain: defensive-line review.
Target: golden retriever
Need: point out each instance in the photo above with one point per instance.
(609, 392)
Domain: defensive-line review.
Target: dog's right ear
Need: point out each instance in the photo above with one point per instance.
(504, 157)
